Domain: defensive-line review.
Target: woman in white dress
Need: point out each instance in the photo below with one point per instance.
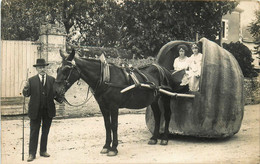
(194, 68)
(181, 63)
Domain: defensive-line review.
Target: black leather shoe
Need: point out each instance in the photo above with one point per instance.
(44, 154)
(30, 158)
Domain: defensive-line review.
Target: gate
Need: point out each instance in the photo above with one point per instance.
(16, 58)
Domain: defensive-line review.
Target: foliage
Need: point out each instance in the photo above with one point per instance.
(254, 29)
(93, 52)
(142, 27)
(97, 24)
(21, 19)
(151, 24)
(17, 20)
(136, 63)
(92, 19)
(244, 57)
(252, 90)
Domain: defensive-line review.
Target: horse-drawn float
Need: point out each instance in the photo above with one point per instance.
(217, 109)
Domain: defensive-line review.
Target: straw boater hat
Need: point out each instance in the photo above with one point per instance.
(40, 62)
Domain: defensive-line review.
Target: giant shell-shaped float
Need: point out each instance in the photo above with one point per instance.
(217, 109)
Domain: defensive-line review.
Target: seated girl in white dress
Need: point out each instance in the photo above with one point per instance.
(194, 71)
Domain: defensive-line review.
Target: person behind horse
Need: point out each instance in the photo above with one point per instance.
(41, 108)
(194, 68)
(181, 64)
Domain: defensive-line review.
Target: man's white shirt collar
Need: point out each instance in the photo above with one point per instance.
(40, 76)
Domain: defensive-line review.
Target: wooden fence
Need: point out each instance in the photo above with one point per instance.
(16, 58)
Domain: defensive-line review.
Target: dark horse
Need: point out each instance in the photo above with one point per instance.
(109, 97)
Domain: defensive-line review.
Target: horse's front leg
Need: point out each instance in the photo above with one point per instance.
(114, 120)
(157, 118)
(106, 116)
(167, 116)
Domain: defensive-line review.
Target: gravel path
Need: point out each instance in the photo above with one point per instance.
(79, 140)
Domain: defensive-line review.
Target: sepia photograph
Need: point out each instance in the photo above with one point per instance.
(130, 81)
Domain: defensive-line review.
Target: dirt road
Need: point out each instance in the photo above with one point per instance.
(80, 140)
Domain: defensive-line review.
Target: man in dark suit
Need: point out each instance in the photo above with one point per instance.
(41, 108)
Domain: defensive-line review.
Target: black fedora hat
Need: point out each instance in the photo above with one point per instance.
(40, 62)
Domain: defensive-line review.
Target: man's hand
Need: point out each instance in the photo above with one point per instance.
(26, 85)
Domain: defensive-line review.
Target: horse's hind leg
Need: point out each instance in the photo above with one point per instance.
(167, 116)
(106, 116)
(157, 116)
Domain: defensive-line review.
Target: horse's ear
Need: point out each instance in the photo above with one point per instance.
(62, 54)
(71, 56)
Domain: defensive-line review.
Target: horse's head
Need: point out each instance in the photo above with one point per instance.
(67, 75)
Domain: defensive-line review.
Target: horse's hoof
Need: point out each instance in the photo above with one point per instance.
(164, 142)
(104, 151)
(152, 142)
(112, 153)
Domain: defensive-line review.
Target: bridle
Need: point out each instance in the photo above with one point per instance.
(67, 84)
(66, 81)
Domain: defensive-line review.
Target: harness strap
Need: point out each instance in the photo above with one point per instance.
(126, 75)
(162, 74)
(105, 72)
(142, 74)
(135, 79)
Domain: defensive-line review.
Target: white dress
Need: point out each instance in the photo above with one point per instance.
(180, 64)
(194, 71)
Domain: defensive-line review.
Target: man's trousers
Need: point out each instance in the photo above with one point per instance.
(34, 133)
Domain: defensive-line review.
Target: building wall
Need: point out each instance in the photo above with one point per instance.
(233, 29)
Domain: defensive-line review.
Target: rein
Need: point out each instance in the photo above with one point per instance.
(100, 81)
(86, 100)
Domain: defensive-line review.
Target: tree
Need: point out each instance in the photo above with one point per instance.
(140, 26)
(97, 24)
(244, 57)
(17, 20)
(149, 25)
(254, 29)
(21, 19)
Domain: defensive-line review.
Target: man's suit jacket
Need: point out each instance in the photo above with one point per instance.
(33, 91)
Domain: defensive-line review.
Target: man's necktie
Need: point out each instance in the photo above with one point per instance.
(42, 80)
